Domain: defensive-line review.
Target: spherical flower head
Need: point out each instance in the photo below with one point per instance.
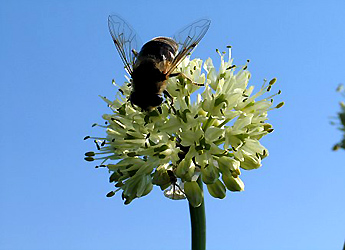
(209, 132)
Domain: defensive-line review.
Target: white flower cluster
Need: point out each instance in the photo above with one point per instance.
(211, 137)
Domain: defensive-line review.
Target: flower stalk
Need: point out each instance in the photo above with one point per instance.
(198, 223)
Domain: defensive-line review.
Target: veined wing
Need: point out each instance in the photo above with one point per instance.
(125, 40)
(187, 39)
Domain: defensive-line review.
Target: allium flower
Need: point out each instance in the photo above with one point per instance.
(340, 119)
(210, 132)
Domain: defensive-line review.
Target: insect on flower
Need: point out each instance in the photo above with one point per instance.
(151, 67)
(175, 192)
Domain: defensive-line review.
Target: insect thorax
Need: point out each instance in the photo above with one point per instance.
(159, 49)
(149, 72)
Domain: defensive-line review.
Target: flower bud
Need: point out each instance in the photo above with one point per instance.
(207, 104)
(232, 183)
(227, 164)
(148, 189)
(161, 178)
(185, 169)
(217, 189)
(144, 186)
(209, 173)
(190, 173)
(193, 193)
(250, 162)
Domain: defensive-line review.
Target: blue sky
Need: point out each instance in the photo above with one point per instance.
(58, 56)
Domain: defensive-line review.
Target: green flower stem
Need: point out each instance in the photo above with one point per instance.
(198, 221)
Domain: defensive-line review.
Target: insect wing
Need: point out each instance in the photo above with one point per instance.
(125, 40)
(188, 38)
(174, 192)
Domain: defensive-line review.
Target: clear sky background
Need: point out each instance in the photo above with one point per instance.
(56, 57)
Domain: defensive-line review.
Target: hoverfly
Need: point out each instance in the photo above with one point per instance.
(151, 67)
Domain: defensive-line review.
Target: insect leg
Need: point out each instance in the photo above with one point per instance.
(174, 191)
(135, 53)
(180, 188)
(166, 93)
(185, 76)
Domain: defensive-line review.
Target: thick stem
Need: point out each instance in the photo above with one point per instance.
(198, 222)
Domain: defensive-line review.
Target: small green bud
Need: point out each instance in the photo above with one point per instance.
(144, 186)
(252, 162)
(227, 164)
(193, 193)
(209, 174)
(148, 189)
(161, 178)
(186, 169)
(232, 183)
(235, 173)
(182, 167)
(217, 189)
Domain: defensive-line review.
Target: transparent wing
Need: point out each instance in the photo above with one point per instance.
(125, 40)
(188, 38)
